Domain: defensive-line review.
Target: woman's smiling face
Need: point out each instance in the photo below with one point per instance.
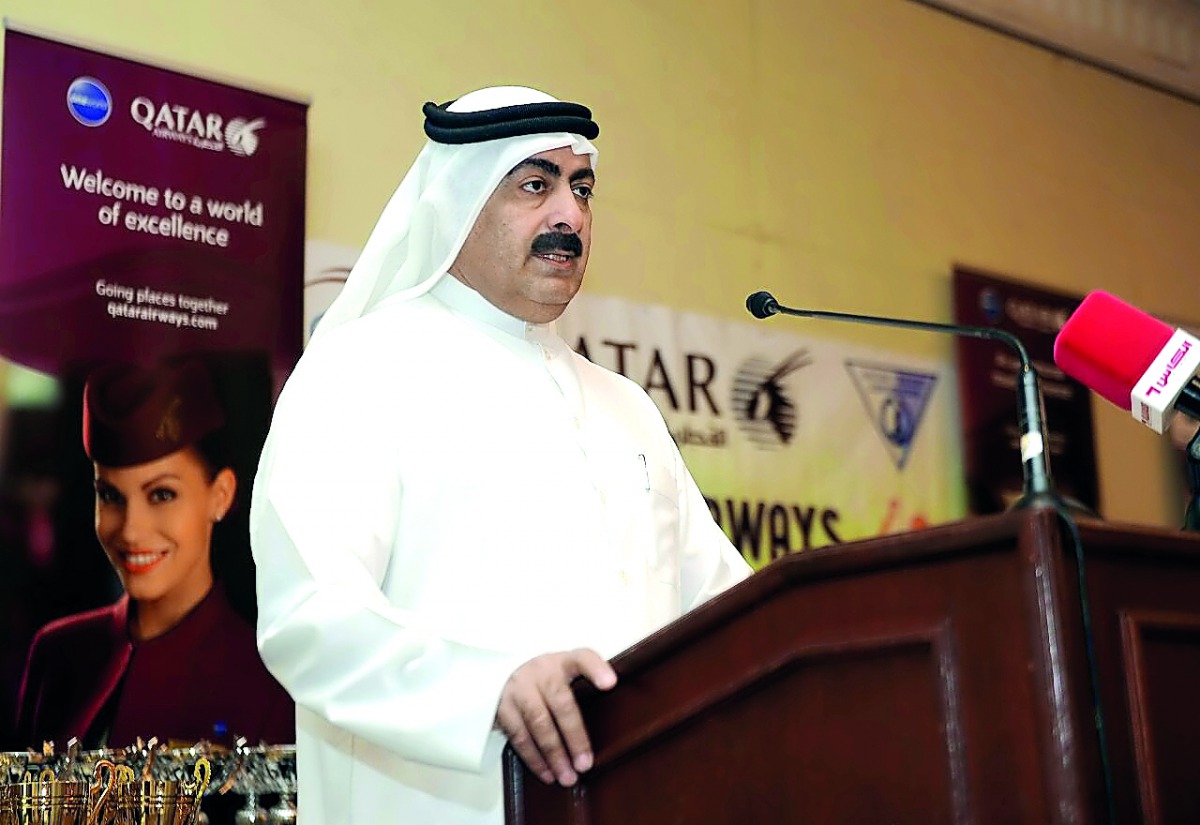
(155, 522)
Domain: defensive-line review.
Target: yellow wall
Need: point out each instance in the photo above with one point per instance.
(842, 152)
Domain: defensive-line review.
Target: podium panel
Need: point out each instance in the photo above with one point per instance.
(931, 677)
(1145, 590)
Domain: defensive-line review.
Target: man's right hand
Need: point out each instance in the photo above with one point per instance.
(539, 715)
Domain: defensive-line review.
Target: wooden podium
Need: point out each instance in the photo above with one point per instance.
(936, 676)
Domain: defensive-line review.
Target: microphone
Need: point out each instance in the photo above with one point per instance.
(1037, 486)
(1133, 359)
(762, 304)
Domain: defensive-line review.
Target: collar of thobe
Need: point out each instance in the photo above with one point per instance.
(464, 301)
(467, 303)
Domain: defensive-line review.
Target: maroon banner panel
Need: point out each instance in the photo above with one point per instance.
(987, 372)
(144, 211)
(152, 251)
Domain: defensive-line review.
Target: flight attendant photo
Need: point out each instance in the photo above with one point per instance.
(172, 658)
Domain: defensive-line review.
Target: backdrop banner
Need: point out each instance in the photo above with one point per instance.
(146, 216)
(796, 441)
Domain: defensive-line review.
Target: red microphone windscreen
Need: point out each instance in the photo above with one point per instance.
(1107, 345)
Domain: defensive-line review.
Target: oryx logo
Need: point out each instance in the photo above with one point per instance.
(241, 136)
(895, 400)
(760, 400)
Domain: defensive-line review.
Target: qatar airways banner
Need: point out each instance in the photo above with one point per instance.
(152, 217)
(795, 441)
(144, 211)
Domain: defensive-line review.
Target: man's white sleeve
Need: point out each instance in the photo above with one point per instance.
(711, 563)
(322, 525)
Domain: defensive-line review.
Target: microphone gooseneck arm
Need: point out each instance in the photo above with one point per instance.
(1038, 486)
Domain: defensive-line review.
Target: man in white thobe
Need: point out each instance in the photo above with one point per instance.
(455, 515)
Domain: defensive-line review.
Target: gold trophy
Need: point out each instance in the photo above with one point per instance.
(157, 801)
(40, 799)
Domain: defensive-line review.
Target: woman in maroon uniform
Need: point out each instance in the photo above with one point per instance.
(172, 658)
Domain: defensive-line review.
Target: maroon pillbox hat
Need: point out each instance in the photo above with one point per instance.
(133, 414)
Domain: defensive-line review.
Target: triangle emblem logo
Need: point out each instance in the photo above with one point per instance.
(895, 401)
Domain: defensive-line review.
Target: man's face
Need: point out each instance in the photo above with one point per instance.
(529, 247)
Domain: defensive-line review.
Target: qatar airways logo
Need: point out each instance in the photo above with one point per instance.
(1165, 379)
(202, 130)
(762, 403)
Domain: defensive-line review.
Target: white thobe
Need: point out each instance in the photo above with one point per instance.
(446, 493)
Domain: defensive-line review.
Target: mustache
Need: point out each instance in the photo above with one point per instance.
(557, 242)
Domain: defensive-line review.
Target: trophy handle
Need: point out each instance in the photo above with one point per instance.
(98, 806)
(203, 773)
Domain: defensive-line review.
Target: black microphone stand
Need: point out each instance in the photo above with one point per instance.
(1037, 484)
